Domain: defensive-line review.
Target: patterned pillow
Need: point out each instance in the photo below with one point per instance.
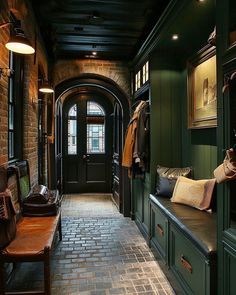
(195, 193)
(166, 179)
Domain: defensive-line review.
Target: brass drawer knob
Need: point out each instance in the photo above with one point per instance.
(186, 264)
(160, 229)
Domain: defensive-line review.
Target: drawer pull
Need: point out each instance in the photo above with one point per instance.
(160, 230)
(186, 264)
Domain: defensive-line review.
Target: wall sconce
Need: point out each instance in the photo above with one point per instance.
(17, 42)
(5, 72)
(46, 87)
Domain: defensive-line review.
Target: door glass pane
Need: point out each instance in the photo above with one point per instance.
(94, 109)
(11, 144)
(95, 138)
(11, 117)
(72, 130)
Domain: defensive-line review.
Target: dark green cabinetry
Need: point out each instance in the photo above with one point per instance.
(229, 267)
(185, 240)
(189, 266)
(159, 232)
(226, 201)
(140, 193)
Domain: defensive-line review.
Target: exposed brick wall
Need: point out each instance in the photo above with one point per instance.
(4, 61)
(62, 70)
(114, 70)
(23, 11)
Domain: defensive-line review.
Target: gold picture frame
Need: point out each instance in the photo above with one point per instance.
(202, 89)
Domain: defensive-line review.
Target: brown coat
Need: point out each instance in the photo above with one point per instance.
(127, 158)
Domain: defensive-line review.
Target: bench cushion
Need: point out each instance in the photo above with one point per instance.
(198, 226)
(32, 236)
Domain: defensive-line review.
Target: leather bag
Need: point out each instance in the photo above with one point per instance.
(7, 219)
(41, 202)
(227, 170)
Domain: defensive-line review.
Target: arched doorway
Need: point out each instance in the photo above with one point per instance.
(102, 87)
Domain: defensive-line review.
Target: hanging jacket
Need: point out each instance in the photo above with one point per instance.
(128, 151)
(141, 153)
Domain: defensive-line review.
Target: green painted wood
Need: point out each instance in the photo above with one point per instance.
(193, 282)
(137, 192)
(165, 119)
(146, 211)
(229, 266)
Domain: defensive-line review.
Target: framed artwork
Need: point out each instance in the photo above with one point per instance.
(202, 96)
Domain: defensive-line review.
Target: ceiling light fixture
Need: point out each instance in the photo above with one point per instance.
(18, 42)
(46, 87)
(94, 53)
(175, 37)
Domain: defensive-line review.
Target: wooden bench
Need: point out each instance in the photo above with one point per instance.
(33, 243)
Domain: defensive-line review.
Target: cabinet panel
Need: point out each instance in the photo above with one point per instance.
(159, 232)
(138, 195)
(230, 270)
(188, 264)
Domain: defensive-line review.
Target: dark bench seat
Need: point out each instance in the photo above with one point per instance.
(198, 225)
(186, 240)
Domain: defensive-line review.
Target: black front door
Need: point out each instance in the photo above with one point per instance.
(87, 144)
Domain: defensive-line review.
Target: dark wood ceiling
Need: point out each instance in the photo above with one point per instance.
(113, 28)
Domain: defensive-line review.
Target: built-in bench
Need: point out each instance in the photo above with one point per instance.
(185, 238)
(33, 242)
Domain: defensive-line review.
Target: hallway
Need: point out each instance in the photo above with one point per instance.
(101, 253)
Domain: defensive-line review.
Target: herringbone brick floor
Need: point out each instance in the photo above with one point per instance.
(101, 253)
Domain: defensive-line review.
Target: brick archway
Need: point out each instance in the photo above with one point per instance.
(97, 82)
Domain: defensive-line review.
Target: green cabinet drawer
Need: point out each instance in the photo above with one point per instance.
(159, 231)
(189, 265)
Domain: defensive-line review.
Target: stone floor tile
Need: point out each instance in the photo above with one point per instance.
(102, 253)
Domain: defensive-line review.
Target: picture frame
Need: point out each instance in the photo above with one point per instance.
(202, 89)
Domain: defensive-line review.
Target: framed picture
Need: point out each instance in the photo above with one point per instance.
(202, 96)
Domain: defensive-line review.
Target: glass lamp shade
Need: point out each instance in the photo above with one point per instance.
(46, 88)
(20, 44)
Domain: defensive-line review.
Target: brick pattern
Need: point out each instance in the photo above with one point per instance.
(114, 70)
(4, 58)
(99, 255)
(23, 11)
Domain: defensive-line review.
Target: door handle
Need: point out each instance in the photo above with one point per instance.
(86, 158)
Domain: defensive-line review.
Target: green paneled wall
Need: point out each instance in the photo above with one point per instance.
(165, 97)
(199, 148)
(172, 143)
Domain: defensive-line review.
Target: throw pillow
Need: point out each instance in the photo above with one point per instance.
(166, 179)
(195, 193)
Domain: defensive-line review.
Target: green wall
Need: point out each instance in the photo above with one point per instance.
(199, 146)
(172, 143)
(166, 110)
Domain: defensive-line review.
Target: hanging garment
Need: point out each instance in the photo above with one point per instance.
(142, 140)
(130, 141)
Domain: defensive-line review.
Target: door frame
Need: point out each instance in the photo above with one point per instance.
(80, 98)
(108, 86)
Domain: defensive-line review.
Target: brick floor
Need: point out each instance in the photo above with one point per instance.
(101, 253)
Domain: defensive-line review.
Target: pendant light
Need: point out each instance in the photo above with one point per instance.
(18, 42)
(46, 87)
